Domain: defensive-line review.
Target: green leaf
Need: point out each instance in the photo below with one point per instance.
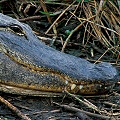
(47, 13)
(67, 32)
(82, 0)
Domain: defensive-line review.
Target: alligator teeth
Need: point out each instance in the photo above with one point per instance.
(106, 87)
(66, 82)
(73, 86)
(81, 86)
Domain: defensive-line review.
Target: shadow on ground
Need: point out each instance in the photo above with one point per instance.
(41, 108)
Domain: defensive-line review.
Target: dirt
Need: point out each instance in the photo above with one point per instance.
(41, 108)
(36, 108)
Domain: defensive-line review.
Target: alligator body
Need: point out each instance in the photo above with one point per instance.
(29, 67)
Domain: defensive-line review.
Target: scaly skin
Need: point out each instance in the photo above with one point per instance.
(29, 67)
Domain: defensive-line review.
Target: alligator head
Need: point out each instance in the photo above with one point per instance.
(28, 66)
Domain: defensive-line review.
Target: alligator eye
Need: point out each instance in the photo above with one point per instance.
(17, 30)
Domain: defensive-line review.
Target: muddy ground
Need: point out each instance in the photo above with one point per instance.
(41, 108)
(36, 108)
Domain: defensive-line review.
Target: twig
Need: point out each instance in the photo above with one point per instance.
(13, 108)
(59, 17)
(85, 102)
(73, 109)
(48, 17)
(100, 26)
(29, 18)
(45, 10)
(112, 104)
(3, 1)
(104, 54)
(68, 38)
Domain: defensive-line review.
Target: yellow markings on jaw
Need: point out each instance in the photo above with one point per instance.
(3, 29)
(32, 86)
(80, 87)
(66, 82)
(73, 86)
(32, 92)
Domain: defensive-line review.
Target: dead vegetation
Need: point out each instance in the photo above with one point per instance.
(92, 27)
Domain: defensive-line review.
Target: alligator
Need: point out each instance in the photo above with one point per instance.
(29, 67)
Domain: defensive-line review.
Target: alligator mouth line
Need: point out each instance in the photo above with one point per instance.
(46, 92)
(44, 73)
(29, 92)
(72, 84)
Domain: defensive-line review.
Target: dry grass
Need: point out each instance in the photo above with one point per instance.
(94, 25)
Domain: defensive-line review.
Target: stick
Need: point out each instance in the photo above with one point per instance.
(73, 109)
(14, 109)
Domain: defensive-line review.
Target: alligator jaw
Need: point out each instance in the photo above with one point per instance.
(34, 92)
(26, 60)
(28, 92)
